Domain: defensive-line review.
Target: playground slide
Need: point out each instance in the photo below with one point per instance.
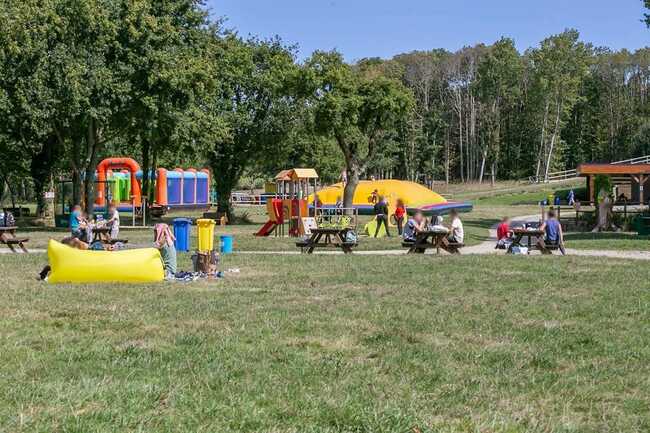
(267, 229)
(70, 265)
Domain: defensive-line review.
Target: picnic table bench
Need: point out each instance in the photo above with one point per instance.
(538, 235)
(8, 237)
(327, 238)
(103, 235)
(431, 239)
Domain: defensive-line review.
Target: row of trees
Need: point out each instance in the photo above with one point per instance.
(160, 81)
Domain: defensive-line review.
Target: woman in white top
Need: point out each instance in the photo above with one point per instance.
(457, 233)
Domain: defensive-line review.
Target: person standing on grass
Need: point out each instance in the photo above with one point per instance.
(164, 241)
(400, 213)
(381, 214)
(553, 234)
(113, 221)
(457, 232)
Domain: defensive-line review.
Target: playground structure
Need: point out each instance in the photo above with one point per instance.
(290, 203)
(119, 181)
(415, 197)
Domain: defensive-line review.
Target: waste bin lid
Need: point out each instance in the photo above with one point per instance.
(182, 221)
(206, 222)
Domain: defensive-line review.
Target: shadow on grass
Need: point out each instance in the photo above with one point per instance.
(604, 236)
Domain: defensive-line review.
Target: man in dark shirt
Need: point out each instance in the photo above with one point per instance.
(381, 212)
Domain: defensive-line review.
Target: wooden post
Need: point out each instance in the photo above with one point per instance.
(591, 187)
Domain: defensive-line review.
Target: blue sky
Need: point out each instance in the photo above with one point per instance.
(368, 28)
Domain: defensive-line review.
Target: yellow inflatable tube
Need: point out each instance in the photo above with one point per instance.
(70, 265)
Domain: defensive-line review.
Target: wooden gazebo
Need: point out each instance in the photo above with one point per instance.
(629, 179)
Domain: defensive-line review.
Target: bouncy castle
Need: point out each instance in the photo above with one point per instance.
(414, 196)
(119, 181)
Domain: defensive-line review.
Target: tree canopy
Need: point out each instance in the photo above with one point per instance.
(166, 84)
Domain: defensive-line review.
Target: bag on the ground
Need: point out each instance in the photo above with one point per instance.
(351, 237)
(205, 262)
(8, 220)
(519, 250)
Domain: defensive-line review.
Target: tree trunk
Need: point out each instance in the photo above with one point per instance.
(224, 191)
(353, 169)
(542, 144)
(482, 172)
(90, 165)
(41, 170)
(146, 151)
(556, 131)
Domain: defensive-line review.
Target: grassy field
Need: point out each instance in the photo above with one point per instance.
(497, 344)
(333, 344)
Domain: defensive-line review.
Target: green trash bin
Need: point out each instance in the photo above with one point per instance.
(641, 224)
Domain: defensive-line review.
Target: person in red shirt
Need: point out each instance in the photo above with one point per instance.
(503, 232)
(400, 213)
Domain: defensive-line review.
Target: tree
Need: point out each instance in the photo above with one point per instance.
(163, 46)
(559, 66)
(355, 110)
(647, 16)
(498, 88)
(250, 111)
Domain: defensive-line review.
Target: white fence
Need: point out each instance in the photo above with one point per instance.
(560, 176)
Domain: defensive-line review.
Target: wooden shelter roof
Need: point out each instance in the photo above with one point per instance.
(613, 169)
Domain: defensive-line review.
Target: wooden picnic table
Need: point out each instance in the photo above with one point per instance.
(530, 234)
(327, 238)
(430, 239)
(102, 234)
(8, 237)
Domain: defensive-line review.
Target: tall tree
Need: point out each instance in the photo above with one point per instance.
(498, 88)
(251, 110)
(354, 109)
(559, 65)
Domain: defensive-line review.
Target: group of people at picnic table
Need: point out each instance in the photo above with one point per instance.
(551, 228)
(82, 228)
(416, 223)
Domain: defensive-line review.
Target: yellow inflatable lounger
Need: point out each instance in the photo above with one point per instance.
(70, 265)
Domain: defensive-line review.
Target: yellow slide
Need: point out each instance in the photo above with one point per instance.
(70, 265)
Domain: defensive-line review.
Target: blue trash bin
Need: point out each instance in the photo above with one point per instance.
(182, 228)
(226, 244)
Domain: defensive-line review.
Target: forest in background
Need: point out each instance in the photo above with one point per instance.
(166, 84)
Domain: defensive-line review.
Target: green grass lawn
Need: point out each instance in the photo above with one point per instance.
(332, 344)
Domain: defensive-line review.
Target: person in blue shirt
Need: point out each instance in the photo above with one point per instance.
(414, 225)
(553, 232)
(77, 223)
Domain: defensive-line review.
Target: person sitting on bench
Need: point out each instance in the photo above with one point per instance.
(554, 236)
(457, 233)
(78, 224)
(414, 225)
(504, 234)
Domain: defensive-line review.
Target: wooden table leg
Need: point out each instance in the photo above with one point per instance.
(313, 241)
(515, 243)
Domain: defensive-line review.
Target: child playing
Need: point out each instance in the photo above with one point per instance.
(113, 221)
(504, 234)
(400, 213)
(164, 241)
